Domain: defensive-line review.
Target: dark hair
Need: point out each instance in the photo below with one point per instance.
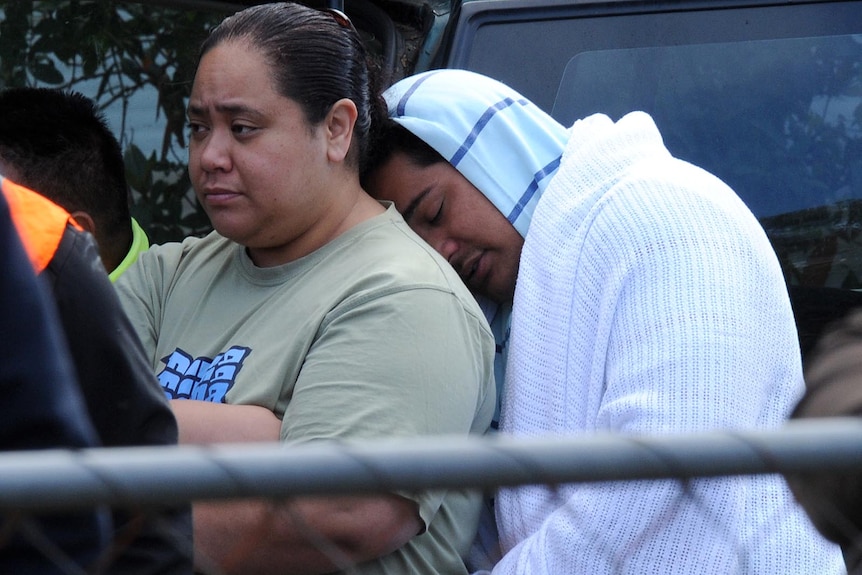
(60, 146)
(390, 138)
(316, 58)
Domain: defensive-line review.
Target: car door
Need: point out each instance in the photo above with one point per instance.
(766, 95)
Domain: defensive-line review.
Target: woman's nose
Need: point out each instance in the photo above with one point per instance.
(214, 152)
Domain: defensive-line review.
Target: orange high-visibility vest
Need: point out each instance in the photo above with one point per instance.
(39, 221)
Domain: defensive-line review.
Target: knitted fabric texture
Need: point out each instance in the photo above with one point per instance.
(650, 301)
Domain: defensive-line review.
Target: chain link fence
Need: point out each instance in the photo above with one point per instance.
(146, 481)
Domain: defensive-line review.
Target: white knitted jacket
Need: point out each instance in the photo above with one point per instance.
(649, 301)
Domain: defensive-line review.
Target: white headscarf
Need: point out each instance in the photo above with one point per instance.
(501, 142)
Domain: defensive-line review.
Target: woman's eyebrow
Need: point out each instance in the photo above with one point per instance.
(222, 108)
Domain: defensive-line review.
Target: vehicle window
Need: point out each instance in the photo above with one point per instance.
(778, 120)
(767, 96)
(136, 59)
(528, 43)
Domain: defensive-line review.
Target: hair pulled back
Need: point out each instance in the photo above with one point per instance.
(315, 57)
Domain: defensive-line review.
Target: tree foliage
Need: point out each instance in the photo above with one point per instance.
(120, 54)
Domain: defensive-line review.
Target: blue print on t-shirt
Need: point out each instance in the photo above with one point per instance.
(201, 378)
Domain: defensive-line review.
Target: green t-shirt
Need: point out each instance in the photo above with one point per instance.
(372, 335)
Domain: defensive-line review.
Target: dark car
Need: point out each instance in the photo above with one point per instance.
(766, 94)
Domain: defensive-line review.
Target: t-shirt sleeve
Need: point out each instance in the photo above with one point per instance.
(408, 363)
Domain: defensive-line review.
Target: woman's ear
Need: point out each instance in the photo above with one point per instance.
(339, 129)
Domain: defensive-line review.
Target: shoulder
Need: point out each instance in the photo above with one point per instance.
(76, 268)
(190, 247)
(168, 260)
(163, 267)
(401, 260)
(626, 163)
(620, 175)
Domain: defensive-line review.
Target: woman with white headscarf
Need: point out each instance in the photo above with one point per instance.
(645, 298)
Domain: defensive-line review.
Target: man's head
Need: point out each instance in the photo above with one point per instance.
(447, 211)
(58, 143)
(466, 158)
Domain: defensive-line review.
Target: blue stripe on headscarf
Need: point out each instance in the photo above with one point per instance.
(533, 188)
(402, 103)
(501, 142)
(474, 133)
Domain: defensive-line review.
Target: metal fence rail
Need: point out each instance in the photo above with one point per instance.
(54, 480)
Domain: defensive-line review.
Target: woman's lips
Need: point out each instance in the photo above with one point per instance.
(218, 196)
